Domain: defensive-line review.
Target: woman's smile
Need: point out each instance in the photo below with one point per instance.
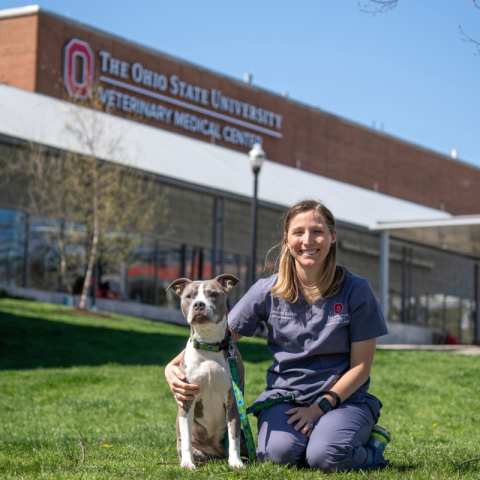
(309, 239)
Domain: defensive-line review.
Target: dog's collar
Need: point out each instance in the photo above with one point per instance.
(212, 347)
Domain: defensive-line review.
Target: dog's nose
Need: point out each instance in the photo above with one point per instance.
(199, 306)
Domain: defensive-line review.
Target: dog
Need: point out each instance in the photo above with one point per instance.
(203, 422)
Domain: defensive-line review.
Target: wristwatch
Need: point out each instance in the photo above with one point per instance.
(324, 404)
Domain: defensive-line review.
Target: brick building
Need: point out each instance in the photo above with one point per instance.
(46, 54)
(32, 47)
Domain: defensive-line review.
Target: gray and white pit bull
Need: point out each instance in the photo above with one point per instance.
(202, 423)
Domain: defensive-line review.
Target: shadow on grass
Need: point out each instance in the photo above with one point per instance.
(402, 466)
(27, 343)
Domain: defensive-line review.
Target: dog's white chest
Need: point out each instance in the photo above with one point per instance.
(208, 370)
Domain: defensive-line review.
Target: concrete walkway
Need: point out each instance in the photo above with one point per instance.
(462, 349)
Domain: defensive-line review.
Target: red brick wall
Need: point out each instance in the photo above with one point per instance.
(18, 51)
(325, 144)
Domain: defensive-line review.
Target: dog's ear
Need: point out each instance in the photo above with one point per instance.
(227, 281)
(179, 285)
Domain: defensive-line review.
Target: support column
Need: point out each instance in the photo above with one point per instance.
(95, 285)
(404, 284)
(155, 271)
(215, 238)
(25, 250)
(476, 283)
(183, 270)
(183, 261)
(194, 260)
(200, 264)
(410, 286)
(384, 263)
(124, 280)
(222, 237)
(253, 233)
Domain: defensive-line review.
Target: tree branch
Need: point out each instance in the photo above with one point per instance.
(471, 39)
(379, 6)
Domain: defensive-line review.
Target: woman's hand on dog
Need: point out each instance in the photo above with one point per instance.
(181, 390)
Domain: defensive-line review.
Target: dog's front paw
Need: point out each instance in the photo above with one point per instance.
(235, 463)
(189, 465)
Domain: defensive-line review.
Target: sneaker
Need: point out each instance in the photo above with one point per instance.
(379, 438)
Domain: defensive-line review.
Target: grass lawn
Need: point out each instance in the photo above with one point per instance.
(66, 378)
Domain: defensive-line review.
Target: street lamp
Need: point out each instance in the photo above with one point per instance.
(256, 156)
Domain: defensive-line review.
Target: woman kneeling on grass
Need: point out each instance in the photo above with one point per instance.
(323, 323)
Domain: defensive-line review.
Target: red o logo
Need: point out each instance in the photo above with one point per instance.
(78, 69)
(338, 308)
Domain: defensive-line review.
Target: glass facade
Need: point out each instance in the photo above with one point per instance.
(428, 287)
(12, 247)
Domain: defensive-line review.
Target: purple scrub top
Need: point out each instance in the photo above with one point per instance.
(310, 345)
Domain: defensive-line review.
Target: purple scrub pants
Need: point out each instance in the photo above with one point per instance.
(338, 442)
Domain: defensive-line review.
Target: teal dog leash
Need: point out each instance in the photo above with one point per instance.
(242, 411)
(257, 407)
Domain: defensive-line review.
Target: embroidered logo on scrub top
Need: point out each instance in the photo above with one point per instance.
(339, 318)
(282, 314)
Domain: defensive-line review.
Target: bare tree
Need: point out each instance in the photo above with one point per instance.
(51, 193)
(126, 207)
(380, 6)
(90, 201)
(122, 205)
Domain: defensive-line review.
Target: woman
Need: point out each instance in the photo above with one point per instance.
(323, 322)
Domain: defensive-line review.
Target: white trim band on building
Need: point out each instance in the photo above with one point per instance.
(19, 11)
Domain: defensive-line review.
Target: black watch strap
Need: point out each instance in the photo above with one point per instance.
(336, 396)
(324, 404)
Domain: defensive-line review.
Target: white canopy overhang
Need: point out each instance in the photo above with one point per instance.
(458, 233)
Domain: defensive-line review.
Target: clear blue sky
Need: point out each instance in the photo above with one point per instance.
(407, 68)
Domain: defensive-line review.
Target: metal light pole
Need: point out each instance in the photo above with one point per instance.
(256, 156)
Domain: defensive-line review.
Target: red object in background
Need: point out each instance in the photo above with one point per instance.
(169, 272)
(108, 294)
(109, 290)
(450, 340)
